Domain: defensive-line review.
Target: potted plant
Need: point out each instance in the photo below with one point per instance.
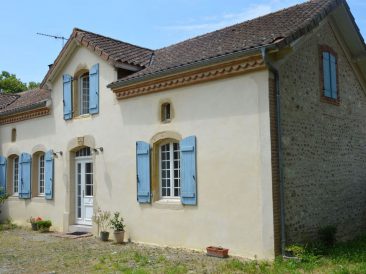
(44, 226)
(34, 222)
(101, 218)
(118, 227)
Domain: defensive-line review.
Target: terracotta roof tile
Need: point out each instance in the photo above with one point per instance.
(117, 51)
(278, 28)
(6, 99)
(25, 100)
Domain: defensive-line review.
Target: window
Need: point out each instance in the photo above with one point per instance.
(83, 94)
(165, 112)
(16, 175)
(169, 170)
(83, 152)
(41, 175)
(13, 135)
(329, 74)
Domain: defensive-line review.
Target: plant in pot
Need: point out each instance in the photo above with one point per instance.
(101, 218)
(44, 226)
(34, 222)
(118, 227)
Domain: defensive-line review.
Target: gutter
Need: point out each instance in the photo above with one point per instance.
(194, 65)
(274, 70)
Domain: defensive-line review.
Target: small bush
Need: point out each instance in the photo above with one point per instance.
(44, 225)
(327, 235)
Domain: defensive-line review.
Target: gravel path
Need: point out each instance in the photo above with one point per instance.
(25, 251)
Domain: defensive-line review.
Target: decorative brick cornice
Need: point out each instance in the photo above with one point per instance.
(24, 116)
(209, 73)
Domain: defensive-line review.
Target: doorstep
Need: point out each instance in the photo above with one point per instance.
(80, 228)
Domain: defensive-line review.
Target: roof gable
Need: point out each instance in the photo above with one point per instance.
(117, 53)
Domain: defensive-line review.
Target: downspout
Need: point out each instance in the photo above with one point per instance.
(272, 69)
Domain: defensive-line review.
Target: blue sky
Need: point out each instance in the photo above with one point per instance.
(147, 23)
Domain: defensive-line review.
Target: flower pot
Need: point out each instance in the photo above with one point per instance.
(119, 236)
(104, 236)
(217, 251)
(34, 226)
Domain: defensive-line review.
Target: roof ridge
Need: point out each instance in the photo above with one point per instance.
(250, 20)
(114, 39)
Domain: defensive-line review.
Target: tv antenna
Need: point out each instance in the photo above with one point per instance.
(55, 37)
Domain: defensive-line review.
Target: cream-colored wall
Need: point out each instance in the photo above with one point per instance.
(230, 119)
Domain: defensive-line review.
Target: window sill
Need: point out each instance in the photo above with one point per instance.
(174, 204)
(330, 101)
(83, 116)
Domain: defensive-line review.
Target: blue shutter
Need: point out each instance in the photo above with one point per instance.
(326, 75)
(2, 175)
(67, 96)
(143, 172)
(25, 176)
(48, 174)
(94, 89)
(188, 171)
(333, 71)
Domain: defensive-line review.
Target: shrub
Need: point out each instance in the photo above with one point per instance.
(44, 225)
(117, 222)
(327, 235)
(101, 218)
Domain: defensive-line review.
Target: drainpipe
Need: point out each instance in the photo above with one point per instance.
(280, 155)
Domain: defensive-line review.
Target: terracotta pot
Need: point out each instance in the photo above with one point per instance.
(217, 251)
(119, 236)
(34, 226)
(104, 236)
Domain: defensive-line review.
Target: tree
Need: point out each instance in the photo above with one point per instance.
(33, 85)
(9, 83)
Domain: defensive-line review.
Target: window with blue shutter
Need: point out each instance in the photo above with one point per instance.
(188, 170)
(49, 174)
(329, 70)
(67, 101)
(94, 89)
(2, 175)
(143, 172)
(25, 176)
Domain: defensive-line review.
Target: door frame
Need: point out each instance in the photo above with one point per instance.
(83, 161)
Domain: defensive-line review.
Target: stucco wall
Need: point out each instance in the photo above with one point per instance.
(230, 119)
(324, 145)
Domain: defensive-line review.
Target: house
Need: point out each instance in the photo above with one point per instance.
(250, 137)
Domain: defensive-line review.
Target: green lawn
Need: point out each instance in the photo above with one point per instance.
(25, 251)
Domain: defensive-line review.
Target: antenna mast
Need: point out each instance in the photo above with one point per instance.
(54, 36)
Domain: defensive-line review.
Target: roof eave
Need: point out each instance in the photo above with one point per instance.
(195, 65)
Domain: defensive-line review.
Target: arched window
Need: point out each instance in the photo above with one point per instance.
(38, 174)
(13, 135)
(83, 94)
(169, 170)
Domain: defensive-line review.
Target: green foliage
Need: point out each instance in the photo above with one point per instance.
(9, 83)
(44, 224)
(117, 222)
(3, 197)
(33, 85)
(327, 235)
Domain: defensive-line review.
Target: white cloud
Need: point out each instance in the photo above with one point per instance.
(210, 23)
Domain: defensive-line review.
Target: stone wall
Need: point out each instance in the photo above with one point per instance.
(324, 145)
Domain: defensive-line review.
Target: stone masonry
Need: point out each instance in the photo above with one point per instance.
(324, 145)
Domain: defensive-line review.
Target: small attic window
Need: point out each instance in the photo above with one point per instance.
(13, 135)
(165, 112)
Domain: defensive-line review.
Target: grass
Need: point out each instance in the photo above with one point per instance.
(24, 251)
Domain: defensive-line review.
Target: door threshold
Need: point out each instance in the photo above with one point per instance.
(80, 228)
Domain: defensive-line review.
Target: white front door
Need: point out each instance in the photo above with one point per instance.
(84, 191)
